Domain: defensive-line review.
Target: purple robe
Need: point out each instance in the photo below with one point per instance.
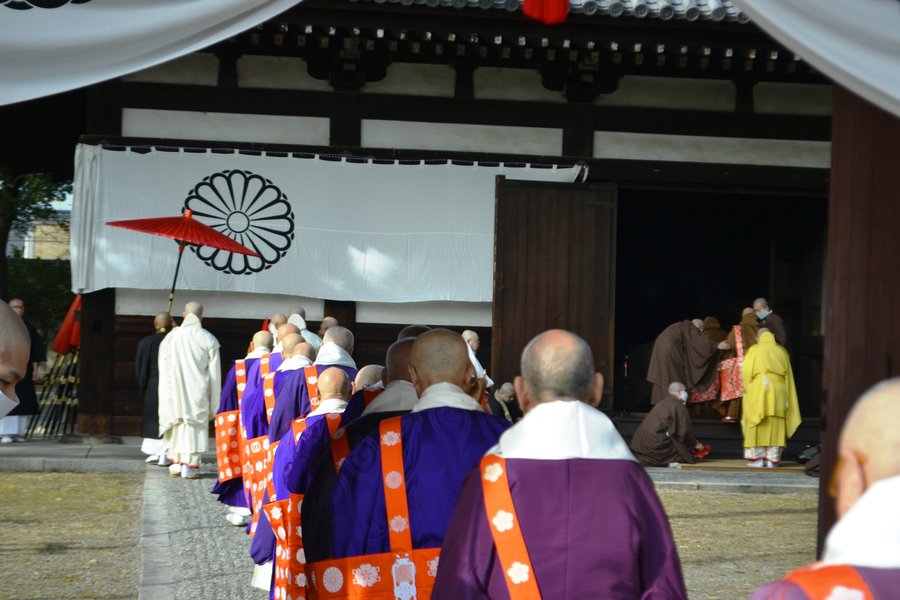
(593, 529)
(294, 401)
(231, 493)
(883, 583)
(440, 446)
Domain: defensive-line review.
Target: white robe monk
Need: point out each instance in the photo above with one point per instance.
(190, 382)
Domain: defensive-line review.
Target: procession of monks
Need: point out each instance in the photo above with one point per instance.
(393, 481)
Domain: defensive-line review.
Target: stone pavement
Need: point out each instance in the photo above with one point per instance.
(190, 552)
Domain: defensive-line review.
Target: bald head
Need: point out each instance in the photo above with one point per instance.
(367, 377)
(506, 392)
(870, 442)
(440, 356)
(15, 349)
(193, 308)
(333, 383)
(557, 365)
(304, 349)
(412, 331)
(277, 320)
(326, 324)
(398, 359)
(289, 344)
(263, 339)
(285, 330)
(760, 304)
(341, 336)
(297, 310)
(162, 322)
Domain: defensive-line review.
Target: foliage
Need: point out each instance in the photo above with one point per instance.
(44, 286)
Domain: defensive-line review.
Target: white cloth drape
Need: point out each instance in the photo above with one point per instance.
(49, 50)
(327, 229)
(854, 42)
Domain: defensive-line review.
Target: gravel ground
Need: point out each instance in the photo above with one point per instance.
(731, 543)
(68, 535)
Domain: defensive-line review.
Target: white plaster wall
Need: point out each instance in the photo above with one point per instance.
(278, 72)
(671, 92)
(644, 146)
(417, 135)
(415, 80)
(451, 314)
(496, 83)
(225, 305)
(194, 69)
(792, 98)
(226, 127)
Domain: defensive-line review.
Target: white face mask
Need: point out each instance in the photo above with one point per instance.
(7, 404)
(683, 395)
(762, 313)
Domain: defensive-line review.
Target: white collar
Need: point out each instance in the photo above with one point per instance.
(329, 405)
(191, 320)
(278, 348)
(297, 321)
(294, 363)
(333, 355)
(258, 352)
(561, 430)
(398, 395)
(868, 535)
(445, 395)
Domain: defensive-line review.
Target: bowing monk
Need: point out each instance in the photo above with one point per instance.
(681, 353)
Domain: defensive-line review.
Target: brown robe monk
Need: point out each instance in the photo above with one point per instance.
(775, 324)
(713, 331)
(731, 409)
(665, 436)
(681, 353)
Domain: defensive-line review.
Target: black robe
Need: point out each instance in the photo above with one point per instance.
(28, 404)
(146, 366)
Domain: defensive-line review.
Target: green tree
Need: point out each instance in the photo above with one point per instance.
(24, 200)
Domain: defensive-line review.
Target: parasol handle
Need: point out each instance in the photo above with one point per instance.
(175, 279)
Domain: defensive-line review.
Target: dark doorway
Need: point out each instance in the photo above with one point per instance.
(684, 255)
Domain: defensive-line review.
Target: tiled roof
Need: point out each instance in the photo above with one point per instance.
(666, 10)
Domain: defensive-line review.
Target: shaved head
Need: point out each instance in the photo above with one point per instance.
(193, 308)
(341, 336)
(412, 331)
(263, 339)
(760, 303)
(297, 310)
(304, 349)
(367, 376)
(440, 356)
(333, 383)
(277, 320)
(289, 343)
(326, 324)
(870, 442)
(162, 321)
(286, 330)
(398, 359)
(15, 350)
(557, 365)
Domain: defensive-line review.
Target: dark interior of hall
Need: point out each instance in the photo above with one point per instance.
(684, 255)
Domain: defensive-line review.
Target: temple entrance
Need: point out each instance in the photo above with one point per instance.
(684, 255)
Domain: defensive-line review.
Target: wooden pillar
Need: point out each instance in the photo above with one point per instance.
(862, 313)
(95, 398)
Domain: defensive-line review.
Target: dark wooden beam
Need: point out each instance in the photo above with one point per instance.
(578, 132)
(346, 124)
(483, 112)
(95, 398)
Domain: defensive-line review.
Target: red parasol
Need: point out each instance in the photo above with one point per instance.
(69, 335)
(187, 231)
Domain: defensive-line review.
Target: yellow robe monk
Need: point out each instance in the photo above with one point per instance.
(771, 414)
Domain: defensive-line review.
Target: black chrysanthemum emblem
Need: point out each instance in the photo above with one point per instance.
(26, 4)
(249, 209)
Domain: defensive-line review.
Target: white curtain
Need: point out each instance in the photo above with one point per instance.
(854, 42)
(325, 228)
(50, 46)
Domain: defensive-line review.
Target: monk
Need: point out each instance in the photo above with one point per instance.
(190, 383)
(368, 376)
(681, 353)
(297, 316)
(412, 331)
(276, 321)
(434, 446)
(772, 322)
(522, 521)
(713, 331)
(740, 339)
(771, 413)
(326, 324)
(666, 435)
(862, 551)
(146, 367)
(15, 352)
